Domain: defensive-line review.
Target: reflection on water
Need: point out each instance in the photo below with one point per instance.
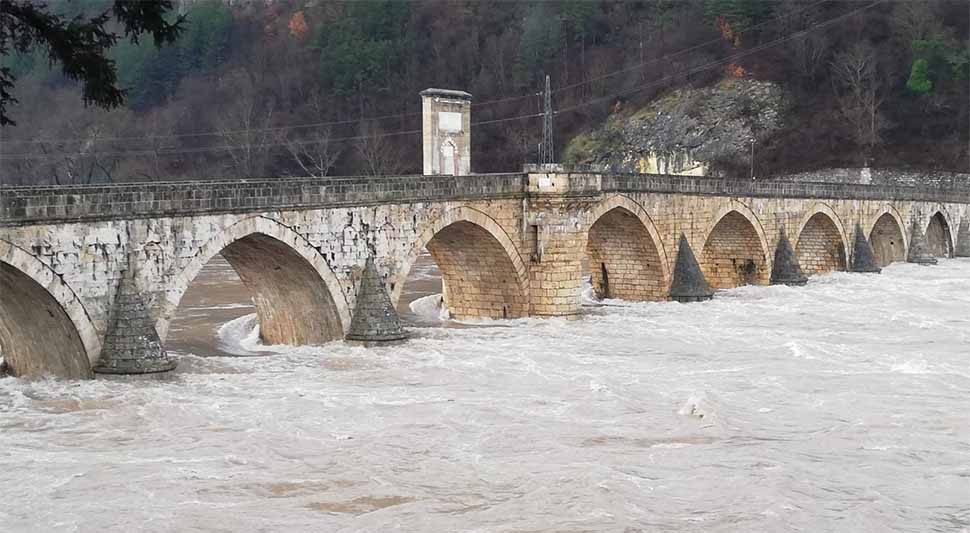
(839, 406)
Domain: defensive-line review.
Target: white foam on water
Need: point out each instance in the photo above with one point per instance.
(911, 367)
(430, 307)
(240, 336)
(228, 306)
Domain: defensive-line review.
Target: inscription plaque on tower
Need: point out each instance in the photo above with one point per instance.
(449, 121)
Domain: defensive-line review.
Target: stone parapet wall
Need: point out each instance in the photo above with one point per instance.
(777, 188)
(24, 205)
(884, 177)
(46, 204)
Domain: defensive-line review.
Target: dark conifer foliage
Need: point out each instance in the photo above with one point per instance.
(79, 44)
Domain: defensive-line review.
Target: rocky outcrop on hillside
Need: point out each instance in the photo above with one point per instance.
(712, 127)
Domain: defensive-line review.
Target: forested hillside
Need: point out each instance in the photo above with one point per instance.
(305, 87)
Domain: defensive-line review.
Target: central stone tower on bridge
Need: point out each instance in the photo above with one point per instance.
(446, 132)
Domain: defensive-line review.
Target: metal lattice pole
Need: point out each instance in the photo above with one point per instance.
(548, 154)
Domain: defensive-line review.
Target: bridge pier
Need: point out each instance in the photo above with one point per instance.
(919, 251)
(556, 207)
(963, 239)
(375, 321)
(785, 269)
(863, 257)
(556, 273)
(688, 284)
(131, 343)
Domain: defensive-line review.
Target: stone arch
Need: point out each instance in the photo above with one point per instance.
(481, 269)
(298, 298)
(821, 245)
(939, 233)
(888, 237)
(625, 251)
(44, 328)
(736, 249)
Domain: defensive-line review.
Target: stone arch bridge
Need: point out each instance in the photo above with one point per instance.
(91, 276)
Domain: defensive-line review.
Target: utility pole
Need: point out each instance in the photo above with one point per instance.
(752, 159)
(548, 152)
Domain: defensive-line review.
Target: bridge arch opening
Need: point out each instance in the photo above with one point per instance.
(469, 260)
(820, 247)
(887, 241)
(938, 236)
(254, 266)
(478, 278)
(37, 336)
(734, 253)
(624, 259)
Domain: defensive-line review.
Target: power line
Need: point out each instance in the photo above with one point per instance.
(229, 148)
(593, 101)
(725, 60)
(503, 100)
(312, 125)
(686, 50)
(218, 132)
(160, 152)
(280, 129)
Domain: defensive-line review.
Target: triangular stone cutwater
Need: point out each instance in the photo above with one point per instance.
(863, 258)
(963, 238)
(375, 321)
(919, 251)
(688, 283)
(785, 270)
(131, 344)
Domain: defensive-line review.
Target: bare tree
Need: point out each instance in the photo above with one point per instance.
(521, 143)
(379, 155)
(860, 93)
(67, 145)
(244, 126)
(808, 55)
(313, 149)
(912, 21)
(313, 152)
(160, 126)
(86, 160)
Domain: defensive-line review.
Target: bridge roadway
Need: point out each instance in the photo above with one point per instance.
(91, 276)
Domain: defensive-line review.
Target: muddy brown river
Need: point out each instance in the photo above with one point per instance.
(843, 405)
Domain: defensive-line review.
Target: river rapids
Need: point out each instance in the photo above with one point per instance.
(843, 405)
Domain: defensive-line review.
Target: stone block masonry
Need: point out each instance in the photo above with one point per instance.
(508, 245)
(820, 246)
(733, 254)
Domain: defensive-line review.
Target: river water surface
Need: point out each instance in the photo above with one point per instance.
(840, 406)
